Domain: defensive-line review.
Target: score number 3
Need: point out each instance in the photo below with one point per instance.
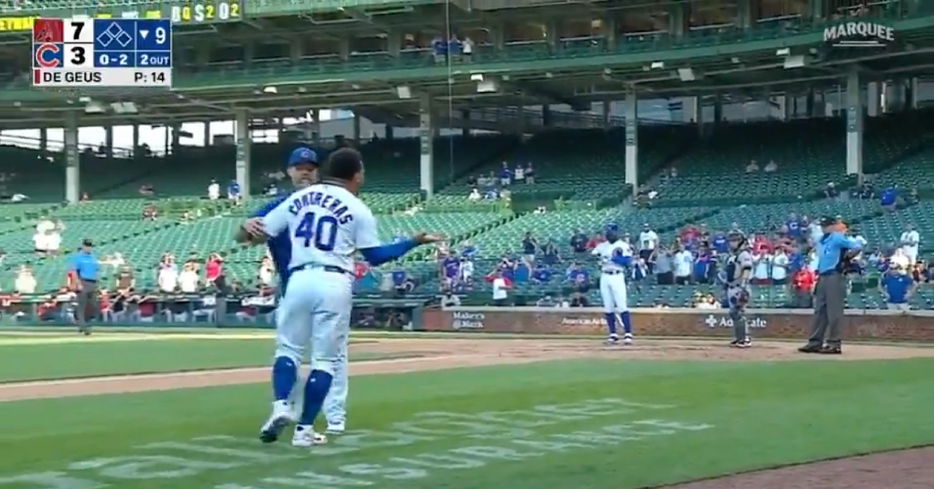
(324, 231)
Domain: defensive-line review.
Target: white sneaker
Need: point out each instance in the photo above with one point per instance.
(627, 339)
(612, 340)
(305, 436)
(336, 428)
(281, 417)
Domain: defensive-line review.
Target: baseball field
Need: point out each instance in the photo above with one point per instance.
(182, 410)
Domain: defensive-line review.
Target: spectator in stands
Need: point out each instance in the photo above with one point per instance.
(910, 242)
(643, 197)
(519, 174)
(771, 167)
(919, 272)
(762, 263)
(85, 197)
(683, 263)
(450, 300)
(648, 240)
(147, 190)
(802, 284)
(795, 227)
(474, 195)
(472, 181)
(664, 266)
(188, 278)
(542, 274)
(115, 260)
(505, 175)
(865, 191)
(702, 266)
(897, 288)
(25, 282)
(574, 271)
(529, 247)
(125, 279)
(150, 212)
(529, 173)
(469, 250)
(501, 286)
(214, 273)
(439, 49)
(719, 243)
(450, 271)
(466, 271)
(214, 190)
(521, 272)
(233, 191)
(912, 198)
(830, 191)
(579, 241)
(579, 300)
(167, 278)
(505, 195)
(780, 263)
(467, 49)
(401, 282)
(550, 253)
(889, 198)
(594, 241)
(266, 274)
(752, 167)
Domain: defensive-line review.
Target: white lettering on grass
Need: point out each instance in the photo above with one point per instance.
(357, 440)
(500, 453)
(49, 480)
(439, 461)
(552, 446)
(448, 425)
(150, 467)
(252, 455)
(317, 480)
(393, 473)
(520, 418)
(677, 425)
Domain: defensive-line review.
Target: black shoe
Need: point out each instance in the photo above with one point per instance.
(831, 350)
(810, 348)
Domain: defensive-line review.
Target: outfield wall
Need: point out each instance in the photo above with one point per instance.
(763, 323)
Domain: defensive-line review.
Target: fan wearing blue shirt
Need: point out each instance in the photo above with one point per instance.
(897, 288)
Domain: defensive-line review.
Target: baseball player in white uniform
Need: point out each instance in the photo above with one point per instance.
(615, 255)
(736, 284)
(327, 223)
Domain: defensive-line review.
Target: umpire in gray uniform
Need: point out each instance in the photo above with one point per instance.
(87, 271)
(830, 292)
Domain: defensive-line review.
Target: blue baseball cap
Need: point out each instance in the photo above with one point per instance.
(302, 156)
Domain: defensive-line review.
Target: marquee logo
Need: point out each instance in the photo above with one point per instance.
(859, 34)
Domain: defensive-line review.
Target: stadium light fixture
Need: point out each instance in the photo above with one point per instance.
(94, 108)
(686, 74)
(783, 52)
(84, 99)
(657, 65)
(477, 77)
(404, 92)
(124, 108)
(270, 89)
(794, 62)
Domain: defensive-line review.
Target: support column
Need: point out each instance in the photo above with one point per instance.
(136, 151)
(910, 93)
(72, 158)
(207, 134)
(356, 128)
(520, 120)
(546, 115)
(344, 48)
(176, 136)
(818, 9)
(873, 97)
(249, 52)
(43, 139)
(632, 141)
(609, 24)
(809, 104)
(316, 128)
(109, 141)
(718, 110)
(699, 115)
(426, 127)
(689, 109)
(394, 42)
(607, 105)
(465, 123)
(242, 123)
(915, 92)
(854, 125)
(787, 102)
(389, 132)
(551, 34)
(496, 33)
(744, 14)
(678, 17)
(296, 50)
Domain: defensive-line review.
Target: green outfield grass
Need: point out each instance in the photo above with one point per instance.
(101, 355)
(591, 423)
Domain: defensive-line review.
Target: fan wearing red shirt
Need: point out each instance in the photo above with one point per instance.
(594, 241)
(803, 282)
(214, 271)
(761, 245)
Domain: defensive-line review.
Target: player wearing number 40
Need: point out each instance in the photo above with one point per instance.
(327, 224)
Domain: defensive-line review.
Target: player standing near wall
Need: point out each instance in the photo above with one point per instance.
(615, 255)
(736, 284)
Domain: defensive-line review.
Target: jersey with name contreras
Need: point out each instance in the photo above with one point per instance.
(326, 224)
(606, 251)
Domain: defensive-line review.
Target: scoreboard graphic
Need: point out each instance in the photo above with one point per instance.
(102, 53)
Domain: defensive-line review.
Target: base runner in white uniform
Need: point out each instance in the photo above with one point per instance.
(327, 223)
(615, 255)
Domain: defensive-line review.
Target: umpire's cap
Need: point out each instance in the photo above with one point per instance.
(301, 156)
(342, 164)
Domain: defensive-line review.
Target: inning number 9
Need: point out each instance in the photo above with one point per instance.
(160, 35)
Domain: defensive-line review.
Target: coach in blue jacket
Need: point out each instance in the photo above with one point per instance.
(830, 293)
